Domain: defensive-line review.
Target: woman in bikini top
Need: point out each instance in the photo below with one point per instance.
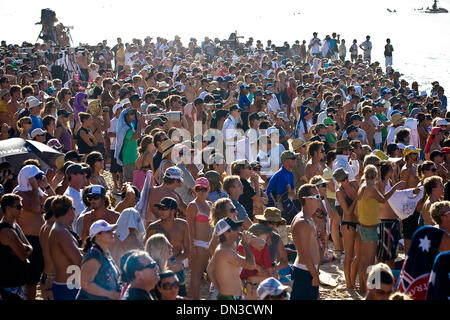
(197, 214)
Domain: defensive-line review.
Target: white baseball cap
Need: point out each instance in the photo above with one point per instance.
(117, 106)
(37, 132)
(33, 102)
(282, 115)
(174, 173)
(100, 226)
(272, 287)
(225, 224)
(441, 122)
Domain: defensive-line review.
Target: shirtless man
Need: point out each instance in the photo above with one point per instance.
(389, 233)
(315, 167)
(63, 248)
(409, 174)
(434, 189)
(305, 272)
(225, 265)
(96, 195)
(31, 220)
(173, 178)
(49, 270)
(368, 126)
(176, 231)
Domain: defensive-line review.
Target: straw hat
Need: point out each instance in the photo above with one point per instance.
(297, 143)
(271, 214)
(397, 119)
(167, 146)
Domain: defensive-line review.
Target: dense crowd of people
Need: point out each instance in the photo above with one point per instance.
(224, 163)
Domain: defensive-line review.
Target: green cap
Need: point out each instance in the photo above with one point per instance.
(328, 121)
(288, 155)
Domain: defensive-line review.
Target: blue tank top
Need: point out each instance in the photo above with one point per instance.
(107, 276)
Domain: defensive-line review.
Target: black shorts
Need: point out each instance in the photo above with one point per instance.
(36, 265)
(410, 225)
(115, 168)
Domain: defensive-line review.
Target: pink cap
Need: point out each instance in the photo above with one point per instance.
(202, 182)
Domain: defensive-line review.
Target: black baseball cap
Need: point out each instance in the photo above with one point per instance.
(167, 202)
(76, 168)
(72, 155)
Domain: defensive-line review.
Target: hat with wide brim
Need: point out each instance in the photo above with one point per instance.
(167, 146)
(271, 214)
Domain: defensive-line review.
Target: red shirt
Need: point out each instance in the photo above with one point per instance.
(262, 258)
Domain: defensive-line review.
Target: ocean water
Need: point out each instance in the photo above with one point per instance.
(421, 41)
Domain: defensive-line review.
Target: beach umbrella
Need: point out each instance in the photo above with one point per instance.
(18, 150)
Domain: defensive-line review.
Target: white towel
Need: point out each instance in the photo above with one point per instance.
(142, 204)
(129, 218)
(404, 202)
(24, 175)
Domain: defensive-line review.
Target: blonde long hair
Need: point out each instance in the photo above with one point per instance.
(157, 247)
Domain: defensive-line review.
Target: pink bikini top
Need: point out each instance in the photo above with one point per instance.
(201, 217)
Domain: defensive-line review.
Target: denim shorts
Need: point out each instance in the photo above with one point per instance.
(367, 234)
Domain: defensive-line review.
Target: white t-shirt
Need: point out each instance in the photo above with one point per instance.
(377, 136)
(113, 129)
(77, 202)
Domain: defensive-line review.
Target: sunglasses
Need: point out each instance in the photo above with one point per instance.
(280, 296)
(433, 169)
(39, 176)
(101, 159)
(148, 266)
(94, 197)
(274, 223)
(201, 189)
(316, 196)
(170, 286)
(27, 122)
(233, 210)
(19, 207)
(163, 208)
(257, 169)
(323, 185)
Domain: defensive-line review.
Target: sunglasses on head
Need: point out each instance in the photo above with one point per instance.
(170, 285)
(316, 196)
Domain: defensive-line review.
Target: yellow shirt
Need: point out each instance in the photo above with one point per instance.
(120, 56)
(368, 213)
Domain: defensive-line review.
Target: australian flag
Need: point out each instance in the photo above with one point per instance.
(439, 284)
(416, 269)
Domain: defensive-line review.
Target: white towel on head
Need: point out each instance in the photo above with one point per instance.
(129, 218)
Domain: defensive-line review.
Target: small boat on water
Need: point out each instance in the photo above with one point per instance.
(435, 9)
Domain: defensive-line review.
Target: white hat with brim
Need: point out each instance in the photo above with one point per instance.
(100, 226)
